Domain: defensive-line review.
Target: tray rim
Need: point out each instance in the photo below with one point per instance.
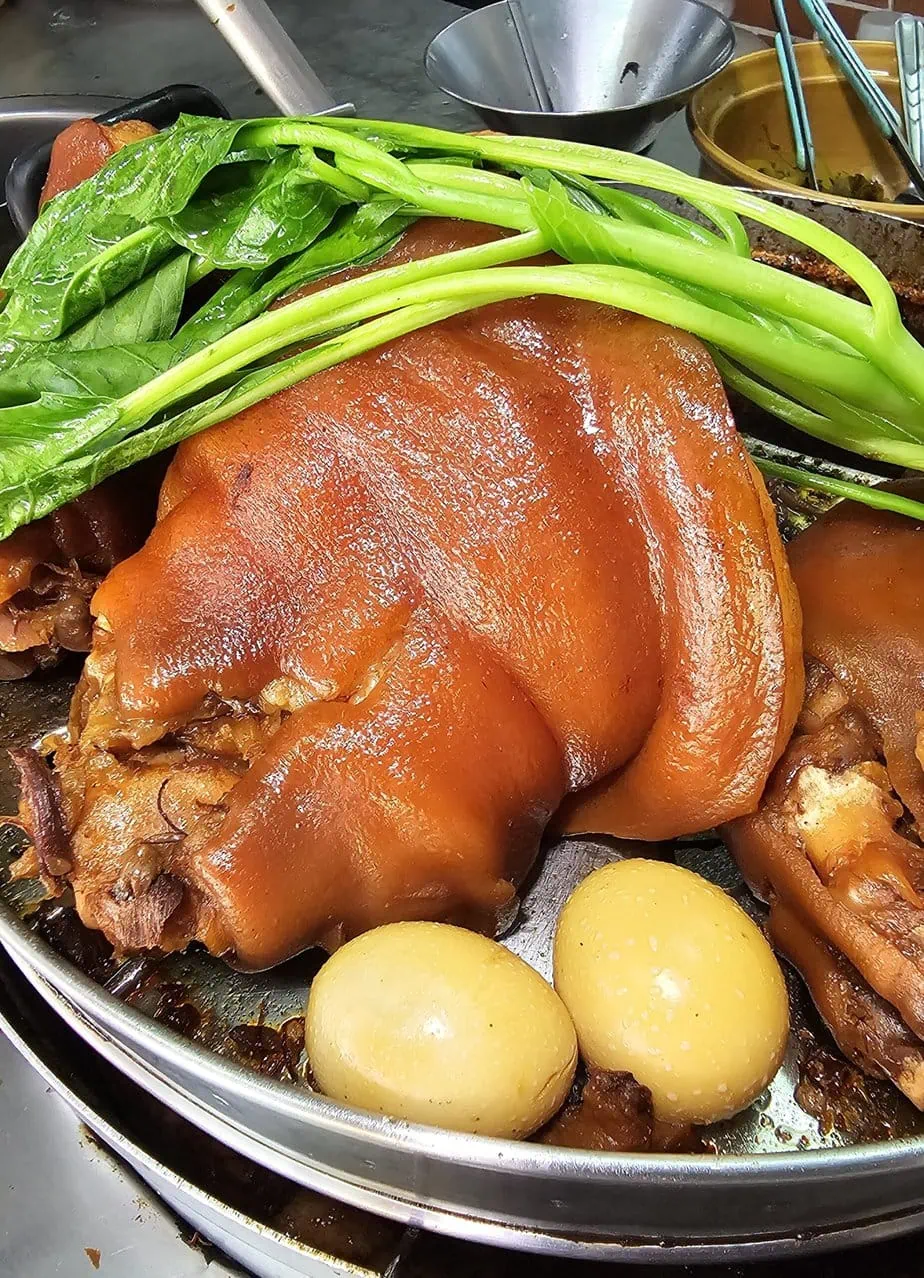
(526, 1158)
(470, 1228)
(127, 1148)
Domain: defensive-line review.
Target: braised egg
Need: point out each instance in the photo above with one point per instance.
(666, 977)
(435, 1024)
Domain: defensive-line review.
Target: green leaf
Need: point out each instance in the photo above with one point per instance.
(578, 234)
(254, 214)
(359, 237)
(631, 207)
(96, 373)
(146, 312)
(92, 242)
(51, 304)
(36, 437)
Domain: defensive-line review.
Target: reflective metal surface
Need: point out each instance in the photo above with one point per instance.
(97, 1205)
(100, 1203)
(633, 1207)
(614, 70)
(267, 51)
(648, 1210)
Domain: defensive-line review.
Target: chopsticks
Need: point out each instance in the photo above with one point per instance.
(880, 109)
(795, 98)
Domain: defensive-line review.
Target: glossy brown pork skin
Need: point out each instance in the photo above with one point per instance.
(836, 842)
(389, 618)
(81, 150)
(49, 569)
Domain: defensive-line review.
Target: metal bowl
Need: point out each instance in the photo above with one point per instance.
(615, 70)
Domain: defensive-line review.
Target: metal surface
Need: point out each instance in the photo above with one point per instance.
(629, 1249)
(267, 51)
(538, 87)
(96, 1204)
(614, 72)
(137, 1239)
(362, 50)
(110, 1209)
(561, 1201)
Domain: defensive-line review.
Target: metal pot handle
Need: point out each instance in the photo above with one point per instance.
(267, 51)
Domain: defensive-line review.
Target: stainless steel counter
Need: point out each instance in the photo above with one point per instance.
(63, 1199)
(366, 51)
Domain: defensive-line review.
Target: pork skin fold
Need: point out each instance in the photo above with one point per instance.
(836, 843)
(389, 619)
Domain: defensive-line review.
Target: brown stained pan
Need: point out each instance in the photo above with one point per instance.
(823, 1158)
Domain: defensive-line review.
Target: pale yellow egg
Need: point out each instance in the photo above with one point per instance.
(666, 977)
(438, 1025)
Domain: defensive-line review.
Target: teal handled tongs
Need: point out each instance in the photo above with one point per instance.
(795, 98)
(878, 106)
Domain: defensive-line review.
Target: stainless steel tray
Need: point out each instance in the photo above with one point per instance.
(272, 1228)
(777, 1184)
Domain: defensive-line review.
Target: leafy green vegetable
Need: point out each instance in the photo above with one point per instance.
(97, 375)
(359, 239)
(254, 214)
(52, 304)
(94, 374)
(92, 242)
(147, 312)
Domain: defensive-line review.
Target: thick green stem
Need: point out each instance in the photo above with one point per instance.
(841, 433)
(450, 196)
(855, 421)
(641, 211)
(602, 163)
(413, 285)
(380, 168)
(742, 277)
(199, 267)
(753, 283)
(879, 498)
(276, 329)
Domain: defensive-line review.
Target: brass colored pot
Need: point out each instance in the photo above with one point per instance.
(740, 125)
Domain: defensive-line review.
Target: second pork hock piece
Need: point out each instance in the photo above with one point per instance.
(836, 844)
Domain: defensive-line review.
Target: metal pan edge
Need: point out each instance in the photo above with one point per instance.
(263, 1249)
(881, 1221)
(468, 1229)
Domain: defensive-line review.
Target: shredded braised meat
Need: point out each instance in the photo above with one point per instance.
(610, 1112)
(50, 569)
